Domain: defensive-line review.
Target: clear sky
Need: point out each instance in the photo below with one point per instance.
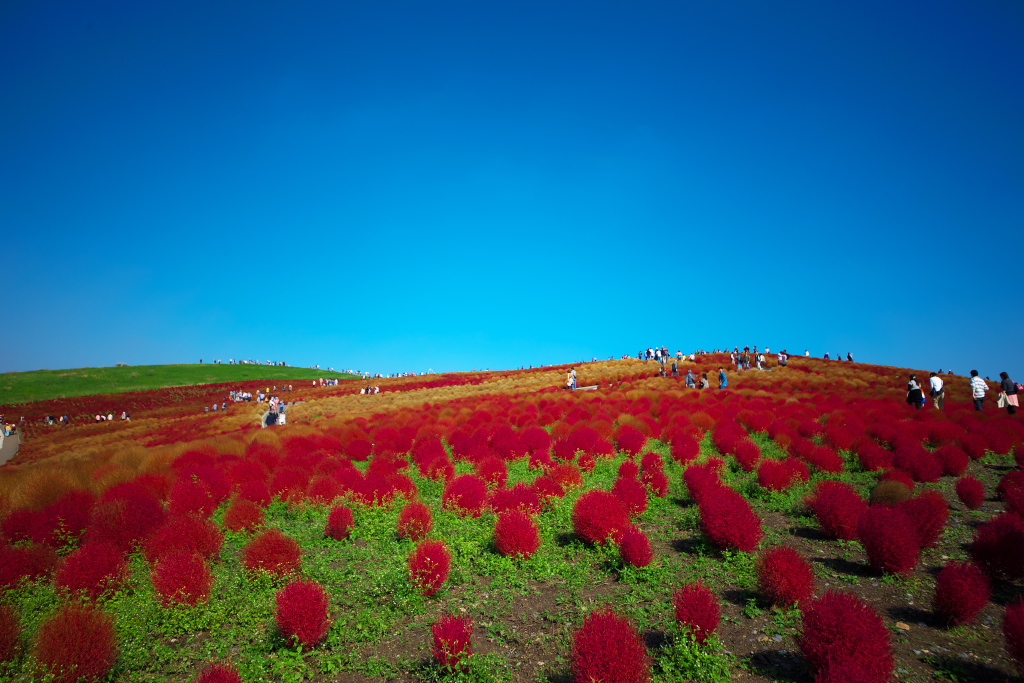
(396, 186)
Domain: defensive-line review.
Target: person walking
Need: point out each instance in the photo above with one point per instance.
(938, 391)
(723, 379)
(1008, 395)
(568, 380)
(675, 367)
(915, 396)
(574, 384)
(978, 389)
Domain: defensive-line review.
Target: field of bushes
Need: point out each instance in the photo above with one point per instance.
(804, 524)
(44, 385)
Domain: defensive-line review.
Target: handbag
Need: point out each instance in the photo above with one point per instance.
(1002, 400)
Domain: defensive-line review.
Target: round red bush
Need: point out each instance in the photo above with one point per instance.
(519, 497)
(609, 649)
(838, 509)
(185, 533)
(632, 494)
(954, 460)
(77, 643)
(635, 548)
(493, 471)
(697, 609)
(302, 612)
(466, 495)
(971, 492)
(453, 641)
(729, 521)
(272, 552)
(928, 512)
(415, 521)
(429, 565)
(93, 569)
(339, 523)
(629, 439)
(889, 539)
(961, 591)
(998, 547)
(182, 577)
(219, 673)
(1013, 631)
(785, 577)
(191, 496)
(845, 640)
(516, 534)
(656, 482)
(244, 515)
(599, 515)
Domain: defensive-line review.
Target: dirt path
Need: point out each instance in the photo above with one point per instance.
(10, 446)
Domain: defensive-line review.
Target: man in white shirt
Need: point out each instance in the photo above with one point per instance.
(978, 389)
(938, 392)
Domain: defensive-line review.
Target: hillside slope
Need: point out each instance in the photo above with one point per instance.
(41, 385)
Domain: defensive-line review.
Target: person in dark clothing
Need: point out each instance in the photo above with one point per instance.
(915, 396)
(1009, 389)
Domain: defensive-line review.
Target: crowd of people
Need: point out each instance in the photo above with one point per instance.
(1008, 392)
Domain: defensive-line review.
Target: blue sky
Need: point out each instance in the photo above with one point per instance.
(396, 186)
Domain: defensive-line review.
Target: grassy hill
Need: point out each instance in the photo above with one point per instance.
(40, 385)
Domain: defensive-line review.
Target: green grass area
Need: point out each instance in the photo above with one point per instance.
(42, 385)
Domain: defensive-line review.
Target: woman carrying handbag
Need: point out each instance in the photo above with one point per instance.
(1008, 394)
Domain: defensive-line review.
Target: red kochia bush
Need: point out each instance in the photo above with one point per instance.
(845, 640)
(302, 612)
(632, 494)
(598, 515)
(78, 643)
(466, 494)
(999, 547)
(928, 512)
(608, 649)
(10, 630)
(429, 565)
(971, 492)
(219, 673)
(519, 497)
(244, 515)
(126, 520)
(516, 534)
(453, 640)
(93, 569)
(415, 521)
(1013, 631)
(182, 577)
(785, 578)
(838, 509)
(684, 448)
(698, 610)
(889, 539)
(339, 523)
(272, 552)
(635, 548)
(629, 439)
(729, 522)
(185, 533)
(954, 460)
(190, 495)
(961, 591)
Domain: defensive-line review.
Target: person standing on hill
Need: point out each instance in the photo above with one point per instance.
(691, 381)
(574, 384)
(915, 396)
(1009, 391)
(978, 389)
(723, 379)
(704, 383)
(938, 391)
(675, 367)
